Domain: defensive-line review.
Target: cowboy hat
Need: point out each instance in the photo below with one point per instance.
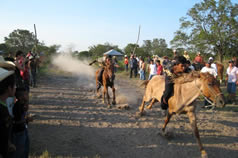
(5, 73)
(6, 64)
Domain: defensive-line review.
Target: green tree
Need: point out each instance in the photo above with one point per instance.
(98, 50)
(130, 48)
(210, 26)
(20, 39)
(159, 46)
(147, 46)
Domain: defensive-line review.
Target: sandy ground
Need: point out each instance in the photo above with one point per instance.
(71, 122)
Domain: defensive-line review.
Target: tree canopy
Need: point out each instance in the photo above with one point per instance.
(210, 26)
(20, 39)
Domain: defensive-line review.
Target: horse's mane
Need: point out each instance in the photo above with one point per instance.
(186, 77)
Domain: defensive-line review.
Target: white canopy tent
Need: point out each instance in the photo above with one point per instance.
(113, 52)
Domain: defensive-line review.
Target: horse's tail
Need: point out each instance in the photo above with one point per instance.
(145, 83)
(93, 62)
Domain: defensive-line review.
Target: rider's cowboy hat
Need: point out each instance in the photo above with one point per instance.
(6, 64)
(5, 73)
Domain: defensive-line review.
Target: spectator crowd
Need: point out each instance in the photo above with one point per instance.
(17, 75)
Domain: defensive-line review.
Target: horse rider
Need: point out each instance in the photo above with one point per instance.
(106, 60)
(177, 67)
(213, 65)
(198, 60)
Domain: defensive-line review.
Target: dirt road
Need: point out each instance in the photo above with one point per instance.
(71, 122)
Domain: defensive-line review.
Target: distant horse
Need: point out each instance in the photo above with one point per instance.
(187, 88)
(220, 70)
(107, 81)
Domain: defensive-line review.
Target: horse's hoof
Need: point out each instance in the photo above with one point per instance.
(140, 114)
(114, 103)
(99, 96)
(204, 154)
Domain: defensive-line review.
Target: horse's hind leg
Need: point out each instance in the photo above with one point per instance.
(141, 108)
(193, 122)
(114, 96)
(151, 103)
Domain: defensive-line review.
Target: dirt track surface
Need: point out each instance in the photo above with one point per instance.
(71, 122)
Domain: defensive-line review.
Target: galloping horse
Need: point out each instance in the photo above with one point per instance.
(107, 81)
(187, 88)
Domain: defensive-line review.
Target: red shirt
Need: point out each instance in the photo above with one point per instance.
(159, 69)
(25, 74)
(198, 59)
(126, 61)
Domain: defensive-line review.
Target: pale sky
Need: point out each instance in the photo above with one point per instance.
(83, 23)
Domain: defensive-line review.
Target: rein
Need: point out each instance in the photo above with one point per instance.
(210, 102)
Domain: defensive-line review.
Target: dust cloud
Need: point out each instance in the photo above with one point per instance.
(79, 68)
(125, 92)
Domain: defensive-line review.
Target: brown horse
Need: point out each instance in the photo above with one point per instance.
(220, 70)
(187, 88)
(107, 81)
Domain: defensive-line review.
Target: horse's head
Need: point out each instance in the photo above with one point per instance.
(110, 71)
(211, 89)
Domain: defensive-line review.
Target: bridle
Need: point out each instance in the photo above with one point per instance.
(211, 91)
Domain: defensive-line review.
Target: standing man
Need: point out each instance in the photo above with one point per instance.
(232, 79)
(211, 71)
(175, 53)
(152, 69)
(213, 65)
(142, 69)
(126, 62)
(133, 66)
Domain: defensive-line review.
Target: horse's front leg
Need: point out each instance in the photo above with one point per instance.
(114, 95)
(168, 117)
(193, 122)
(108, 97)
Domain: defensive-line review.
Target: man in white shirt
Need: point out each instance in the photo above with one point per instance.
(152, 69)
(209, 69)
(232, 79)
(213, 65)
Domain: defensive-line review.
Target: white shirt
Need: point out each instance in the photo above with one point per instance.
(232, 74)
(214, 66)
(153, 69)
(210, 70)
(191, 67)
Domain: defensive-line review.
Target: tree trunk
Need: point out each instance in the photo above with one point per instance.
(220, 55)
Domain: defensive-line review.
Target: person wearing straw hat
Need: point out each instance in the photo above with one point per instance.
(7, 64)
(7, 89)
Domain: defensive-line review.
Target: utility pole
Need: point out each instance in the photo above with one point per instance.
(137, 40)
(35, 47)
